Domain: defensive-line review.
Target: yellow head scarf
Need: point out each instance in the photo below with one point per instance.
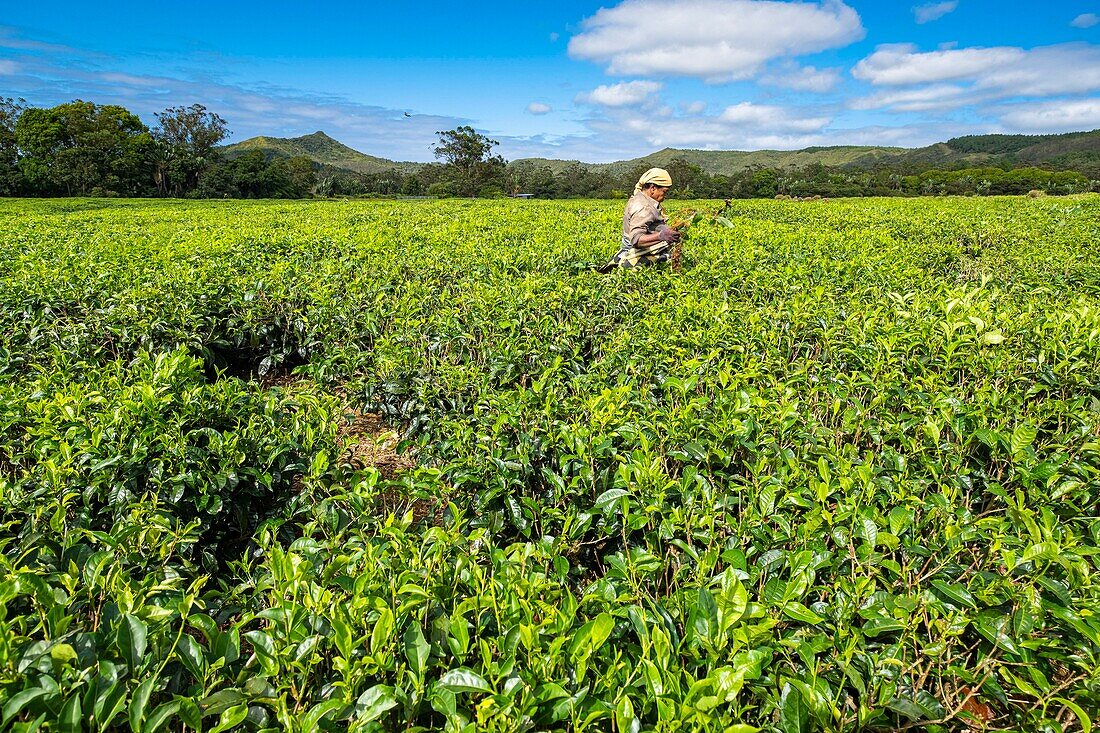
(658, 176)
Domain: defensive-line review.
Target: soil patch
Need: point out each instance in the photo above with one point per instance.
(365, 440)
(368, 442)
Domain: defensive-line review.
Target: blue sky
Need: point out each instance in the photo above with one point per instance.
(580, 80)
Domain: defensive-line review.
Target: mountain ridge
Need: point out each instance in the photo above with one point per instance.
(320, 148)
(1062, 149)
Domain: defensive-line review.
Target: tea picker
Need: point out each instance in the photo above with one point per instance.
(647, 237)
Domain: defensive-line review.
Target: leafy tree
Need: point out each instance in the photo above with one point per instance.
(998, 144)
(219, 182)
(412, 186)
(186, 140)
(690, 180)
(579, 181)
(388, 182)
(432, 173)
(81, 148)
(534, 179)
(464, 147)
(443, 189)
(764, 183)
(38, 136)
(251, 175)
(10, 177)
(301, 176)
(469, 160)
(286, 178)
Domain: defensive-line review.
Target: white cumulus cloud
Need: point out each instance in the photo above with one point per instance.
(626, 94)
(933, 11)
(1085, 20)
(742, 126)
(715, 40)
(539, 108)
(920, 99)
(8, 68)
(1003, 72)
(1054, 116)
(903, 64)
(769, 117)
(802, 78)
(1053, 80)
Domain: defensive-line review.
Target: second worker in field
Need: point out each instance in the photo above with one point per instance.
(647, 237)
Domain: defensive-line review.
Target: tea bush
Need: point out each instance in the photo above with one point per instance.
(841, 473)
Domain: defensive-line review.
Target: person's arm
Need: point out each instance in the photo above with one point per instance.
(664, 233)
(640, 221)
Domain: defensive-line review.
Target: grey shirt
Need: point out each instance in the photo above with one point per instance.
(642, 216)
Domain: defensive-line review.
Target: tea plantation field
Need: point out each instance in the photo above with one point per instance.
(840, 473)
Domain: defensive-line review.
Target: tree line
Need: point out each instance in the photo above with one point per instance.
(85, 149)
(577, 180)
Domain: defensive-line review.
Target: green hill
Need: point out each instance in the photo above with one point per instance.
(1064, 151)
(1025, 145)
(1067, 150)
(1076, 150)
(1072, 150)
(729, 162)
(320, 148)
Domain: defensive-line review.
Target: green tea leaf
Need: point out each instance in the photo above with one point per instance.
(799, 612)
(383, 631)
(20, 700)
(1022, 437)
(230, 718)
(221, 701)
(264, 649)
(63, 654)
(733, 601)
(590, 637)
(374, 703)
(464, 680)
(109, 703)
(956, 593)
(132, 634)
(416, 649)
(71, 716)
(794, 711)
(706, 614)
(138, 703)
(312, 719)
(191, 654)
(1082, 717)
(625, 719)
(921, 707)
(881, 625)
(996, 628)
(608, 500)
(161, 716)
